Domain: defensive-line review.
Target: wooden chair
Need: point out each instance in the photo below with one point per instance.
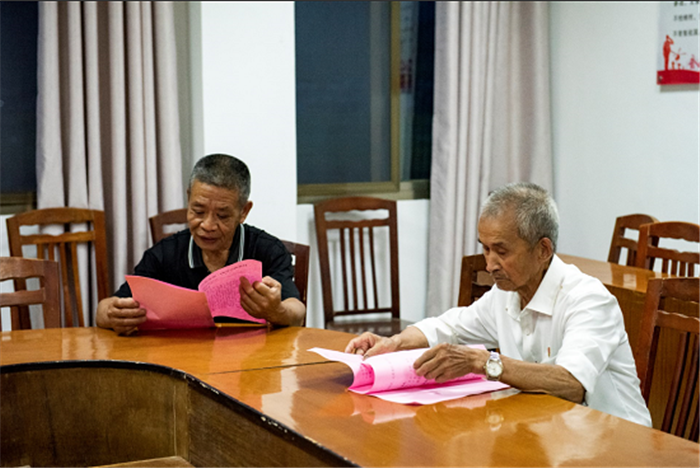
(299, 252)
(474, 280)
(356, 260)
(159, 222)
(63, 248)
(681, 413)
(48, 295)
(619, 241)
(300, 256)
(673, 262)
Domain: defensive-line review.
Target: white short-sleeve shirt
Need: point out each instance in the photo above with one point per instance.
(572, 321)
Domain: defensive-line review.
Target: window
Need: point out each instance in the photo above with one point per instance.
(364, 96)
(18, 91)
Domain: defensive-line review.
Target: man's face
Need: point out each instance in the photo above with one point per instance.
(513, 264)
(213, 214)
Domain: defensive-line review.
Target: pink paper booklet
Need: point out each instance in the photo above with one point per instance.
(169, 306)
(391, 377)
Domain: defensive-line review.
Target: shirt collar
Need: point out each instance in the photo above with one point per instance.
(235, 254)
(546, 294)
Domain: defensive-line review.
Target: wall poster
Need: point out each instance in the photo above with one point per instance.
(677, 48)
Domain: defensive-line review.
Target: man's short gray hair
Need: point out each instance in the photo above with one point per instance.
(222, 170)
(536, 214)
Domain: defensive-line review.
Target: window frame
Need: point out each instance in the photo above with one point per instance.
(395, 188)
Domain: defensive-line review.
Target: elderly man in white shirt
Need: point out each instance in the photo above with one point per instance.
(558, 330)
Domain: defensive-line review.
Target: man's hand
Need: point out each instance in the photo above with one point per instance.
(368, 344)
(446, 362)
(263, 299)
(123, 315)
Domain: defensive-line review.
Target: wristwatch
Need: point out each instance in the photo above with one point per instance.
(493, 367)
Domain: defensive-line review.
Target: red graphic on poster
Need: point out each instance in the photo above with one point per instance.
(678, 41)
(667, 51)
(693, 64)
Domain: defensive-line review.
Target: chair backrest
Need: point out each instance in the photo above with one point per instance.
(673, 262)
(48, 295)
(357, 258)
(620, 241)
(159, 222)
(63, 248)
(300, 255)
(681, 413)
(474, 280)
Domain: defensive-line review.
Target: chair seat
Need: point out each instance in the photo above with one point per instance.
(381, 327)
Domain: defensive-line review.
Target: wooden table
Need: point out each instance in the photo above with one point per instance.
(226, 397)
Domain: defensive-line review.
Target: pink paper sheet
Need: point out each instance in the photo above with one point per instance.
(391, 377)
(223, 295)
(169, 306)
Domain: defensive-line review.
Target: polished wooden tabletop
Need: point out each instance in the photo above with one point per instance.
(613, 275)
(503, 429)
(274, 373)
(197, 352)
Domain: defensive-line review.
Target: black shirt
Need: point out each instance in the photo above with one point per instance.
(169, 260)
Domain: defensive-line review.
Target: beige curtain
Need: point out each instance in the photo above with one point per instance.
(491, 124)
(107, 118)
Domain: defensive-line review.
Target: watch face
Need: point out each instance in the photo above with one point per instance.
(494, 368)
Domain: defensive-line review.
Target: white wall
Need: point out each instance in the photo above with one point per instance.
(248, 106)
(621, 143)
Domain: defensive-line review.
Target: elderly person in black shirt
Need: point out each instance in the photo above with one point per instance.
(216, 237)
